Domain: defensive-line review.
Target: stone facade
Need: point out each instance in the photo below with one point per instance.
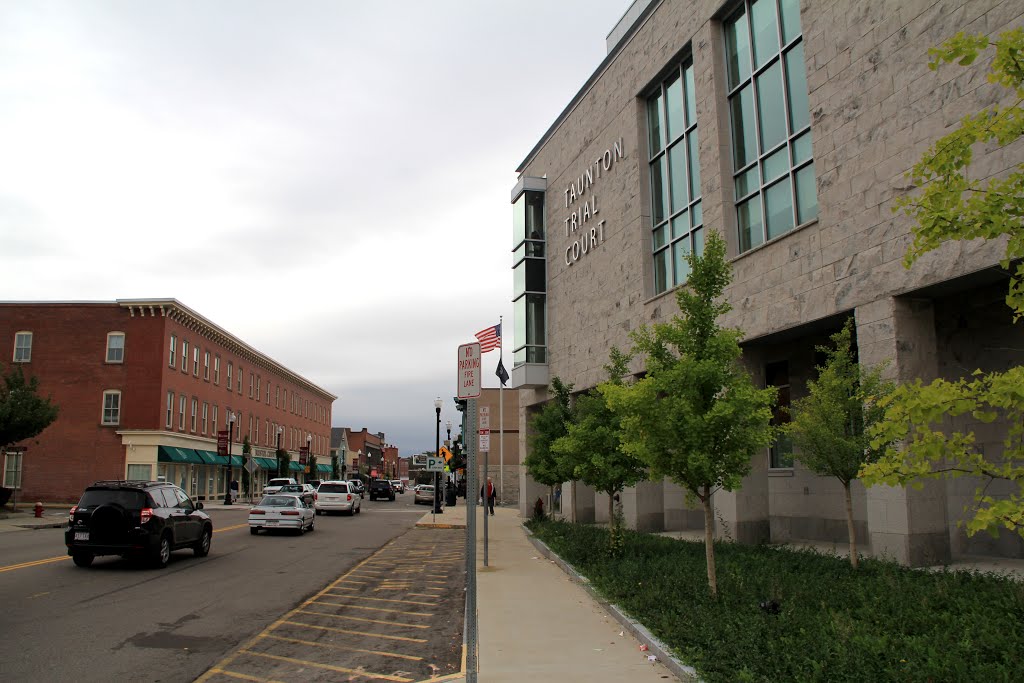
(875, 107)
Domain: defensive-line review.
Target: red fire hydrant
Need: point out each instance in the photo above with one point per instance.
(39, 509)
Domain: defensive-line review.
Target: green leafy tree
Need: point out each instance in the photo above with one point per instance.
(284, 460)
(246, 451)
(550, 423)
(592, 447)
(335, 472)
(954, 206)
(830, 426)
(23, 413)
(696, 416)
(311, 464)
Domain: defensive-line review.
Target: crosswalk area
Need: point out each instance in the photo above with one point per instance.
(396, 616)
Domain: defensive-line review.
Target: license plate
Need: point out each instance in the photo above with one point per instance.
(81, 535)
(271, 522)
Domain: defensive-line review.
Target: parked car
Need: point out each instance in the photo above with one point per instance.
(281, 511)
(398, 485)
(337, 496)
(381, 488)
(145, 519)
(315, 483)
(274, 485)
(304, 491)
(424, 494)
(360, 488)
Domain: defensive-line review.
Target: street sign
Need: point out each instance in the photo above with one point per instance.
(303, 454)
(435, 464)
(485, 417)
(470, 370)
(222, 442)
(251, 465)
(445, 453)
(485, 440)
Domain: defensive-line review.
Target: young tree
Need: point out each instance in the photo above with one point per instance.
(246, 450)
(23, 413)
(954, 206)
(830, 425)
(592, 447)
(696, 416)
(542, 463)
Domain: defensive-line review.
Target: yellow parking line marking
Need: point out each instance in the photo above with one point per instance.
(244, 677)
(375, 609)
(340, 647)
(350, 631)
(365, 583)
(229, 528)
(423, 595)
(369, 621)
(329, 667)
(33, 563)
(401, 602)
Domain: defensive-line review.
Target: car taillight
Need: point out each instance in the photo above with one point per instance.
(348, 497)
(71, 514)
(290, 513)
(147, 514)
(315, 495)
(257, 512)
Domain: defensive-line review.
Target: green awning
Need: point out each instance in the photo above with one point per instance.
(237, 461)
(296, 466)
(177, 455)
(266, 463)
(211, 458)
(323, 468)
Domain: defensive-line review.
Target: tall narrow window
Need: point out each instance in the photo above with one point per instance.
(170, 409)
(206, 365)
(677, 219)
(181, 411)
(239, 380)
(111, 407)
(22, 347)
(195, 414)
(12, 470)
(252, 383)
(115, 347)
(773, 169)
(195, 361)
(529, 273)
(213, 422)
(216, 370)
(229, 383)
(184, 355)
(174, 348)
(206, 412)
(781, 452)
(277, 396)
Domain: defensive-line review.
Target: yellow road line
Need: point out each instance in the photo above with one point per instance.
(33, 563)
(340, 647)
(329, 667)
(376, 609)
(369, 621)
(350, 631)
(229, 528)
(403, 602)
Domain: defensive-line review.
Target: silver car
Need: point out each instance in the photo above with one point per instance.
(337, 496)
(281, 511)
(424, 494)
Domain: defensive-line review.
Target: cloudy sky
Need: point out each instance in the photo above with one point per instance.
(329, 181)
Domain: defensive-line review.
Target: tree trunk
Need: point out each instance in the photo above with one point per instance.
(709, 544)
(611, 509)
(849, 525)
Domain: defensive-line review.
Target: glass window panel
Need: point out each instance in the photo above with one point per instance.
(680, 225)
(770, 107)
(775, 165)
(518, 253)
(677, 167)
(536, 354)
(802, 148)
(680, 265)
(654, 123)
(519, 279)
(698, 241)
(518, 222)
(778, 202)
(737, 50)
(747, 182)
(790, 19)
(698, 214)
(691, 96)
(694, 156)
(748, 216)
(536, 323)
(534, 228)
(796, 79)
(519, 357)
(744, 136)
(806, 194)
(674, 108)
(658, 190)
(766, 33)
(661, 271)
(659, 237)
(535, 275)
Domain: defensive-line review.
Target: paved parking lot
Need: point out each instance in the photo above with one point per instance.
(396, 616)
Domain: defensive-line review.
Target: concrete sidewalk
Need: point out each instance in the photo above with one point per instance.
(538, 622)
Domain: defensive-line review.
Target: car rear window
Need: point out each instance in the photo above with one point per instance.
(129, 499)
(333, 488)
(278, 502)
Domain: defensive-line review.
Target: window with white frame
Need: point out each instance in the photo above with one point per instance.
(239, 380)
(238, 427)
(22, 347)
(111, 407)
(252, 383)
(277, 396)
(216, 370)
(195, 361)
(213, 422)
(677, 219)
(12, 470)
(184, 355)
(174, 348)
(182, 402)
(115, 347)
(229, 384)
(195, 414)
(137, 472)
(170, 409)
(206, 365)
(773, 166)
(206, 412)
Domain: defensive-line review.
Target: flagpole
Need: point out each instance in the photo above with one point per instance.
(501, 418)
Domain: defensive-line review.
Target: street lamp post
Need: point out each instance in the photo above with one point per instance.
(437, 451)
(277, 453)
(309, 449)
(448, 445)
(227, 484)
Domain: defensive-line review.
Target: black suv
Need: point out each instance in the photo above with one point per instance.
(381, 488)
(143, 519)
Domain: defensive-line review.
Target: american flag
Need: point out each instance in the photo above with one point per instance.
(489, 338)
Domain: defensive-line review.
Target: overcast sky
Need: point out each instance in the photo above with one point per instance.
(328, 181)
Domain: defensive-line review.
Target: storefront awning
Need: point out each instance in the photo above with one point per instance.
(177, 455)
(296, 467)
(266, 463)
(211, 458)
(323, 468)
(237, 461)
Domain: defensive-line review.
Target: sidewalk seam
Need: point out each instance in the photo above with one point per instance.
(682, 671)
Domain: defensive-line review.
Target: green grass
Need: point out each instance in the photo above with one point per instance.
(882, 622)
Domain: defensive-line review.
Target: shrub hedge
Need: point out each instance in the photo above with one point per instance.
(829, 622)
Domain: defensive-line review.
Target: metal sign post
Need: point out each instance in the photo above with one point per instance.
(472, 618)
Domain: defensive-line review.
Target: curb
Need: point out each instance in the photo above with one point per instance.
(682, 671)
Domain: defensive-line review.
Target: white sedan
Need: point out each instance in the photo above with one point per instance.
(281, 511)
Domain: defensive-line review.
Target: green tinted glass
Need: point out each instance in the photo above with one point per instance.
(660, 270)
(796, 78)
(747, 182)
(790, 19)
(691, 99)
(677, 166)
(658, 190)
(744, 135)
(778, 202)
(737, 50)
(775, 165)
(674, 108)
(691, 141)
(680, 225)
(802, 148)
(806, 194)
(654, 123)
(680, 264)
(770, 107)
(748, 215)
(766, 32)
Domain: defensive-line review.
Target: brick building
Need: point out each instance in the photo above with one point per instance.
(143, 388)
(787, 126)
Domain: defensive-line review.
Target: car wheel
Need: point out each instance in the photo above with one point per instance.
(83, 559)
(254, 530)
(311, 525)
(202, 546)
(162, 555)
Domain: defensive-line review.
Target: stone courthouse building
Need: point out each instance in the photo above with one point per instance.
(787, 126)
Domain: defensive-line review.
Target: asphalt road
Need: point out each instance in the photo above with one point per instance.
(118, 621)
